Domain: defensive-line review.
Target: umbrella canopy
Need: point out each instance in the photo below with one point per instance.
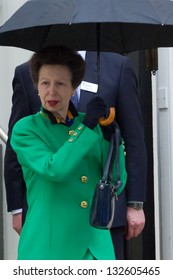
(120, 25)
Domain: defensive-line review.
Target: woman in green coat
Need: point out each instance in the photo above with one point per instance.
(62, 154)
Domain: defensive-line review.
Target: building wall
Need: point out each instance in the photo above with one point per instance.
(165, 150)
(9, 58)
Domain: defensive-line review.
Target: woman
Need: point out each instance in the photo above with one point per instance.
(62, 154)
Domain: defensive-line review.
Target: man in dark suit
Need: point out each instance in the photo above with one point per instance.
(118, 87)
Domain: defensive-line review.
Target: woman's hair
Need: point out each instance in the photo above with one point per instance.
(58, 55)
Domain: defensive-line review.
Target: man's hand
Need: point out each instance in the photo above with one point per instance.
(17, 222)
(135, 222)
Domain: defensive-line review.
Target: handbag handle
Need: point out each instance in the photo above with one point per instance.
(117, 138)
(112, 155)
(108, 161)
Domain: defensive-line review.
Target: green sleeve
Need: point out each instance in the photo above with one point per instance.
(34, 153)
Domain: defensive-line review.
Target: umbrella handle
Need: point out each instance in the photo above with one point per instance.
(110, 119)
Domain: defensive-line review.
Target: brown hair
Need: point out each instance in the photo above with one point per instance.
(58, 55)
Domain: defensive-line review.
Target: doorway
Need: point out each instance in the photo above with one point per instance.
(143, 247)
(1, 208)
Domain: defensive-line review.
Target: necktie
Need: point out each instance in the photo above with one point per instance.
(74, 99)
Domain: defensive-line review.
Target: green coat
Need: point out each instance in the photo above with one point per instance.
(61, 171)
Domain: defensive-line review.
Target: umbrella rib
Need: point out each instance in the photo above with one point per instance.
(156, 12)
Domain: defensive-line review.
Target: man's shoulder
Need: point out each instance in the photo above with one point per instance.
(111, 59)
(116, 58)
(22, 74)
(110, 55)
(23, 68)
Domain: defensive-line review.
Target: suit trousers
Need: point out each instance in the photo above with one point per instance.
(118, 240)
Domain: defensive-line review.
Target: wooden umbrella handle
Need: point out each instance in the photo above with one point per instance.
(110, 119)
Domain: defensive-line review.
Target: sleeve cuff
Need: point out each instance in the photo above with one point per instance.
(17, 211)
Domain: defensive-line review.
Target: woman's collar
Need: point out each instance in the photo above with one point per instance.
(72, 113)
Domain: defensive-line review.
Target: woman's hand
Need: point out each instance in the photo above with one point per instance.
(96, 109)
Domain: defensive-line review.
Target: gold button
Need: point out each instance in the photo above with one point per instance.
(84, 204)
(70, 140)
(84, 179)
(71, 132)
(79, 127)
(75, 133)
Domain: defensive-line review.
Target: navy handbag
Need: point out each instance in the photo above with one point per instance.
(103, 203)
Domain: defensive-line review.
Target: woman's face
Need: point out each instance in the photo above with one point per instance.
(55, 89)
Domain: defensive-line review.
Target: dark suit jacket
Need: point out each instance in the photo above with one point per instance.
(118, 87)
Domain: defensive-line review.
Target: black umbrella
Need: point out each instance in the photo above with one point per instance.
(94, 25)
(106, 25)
